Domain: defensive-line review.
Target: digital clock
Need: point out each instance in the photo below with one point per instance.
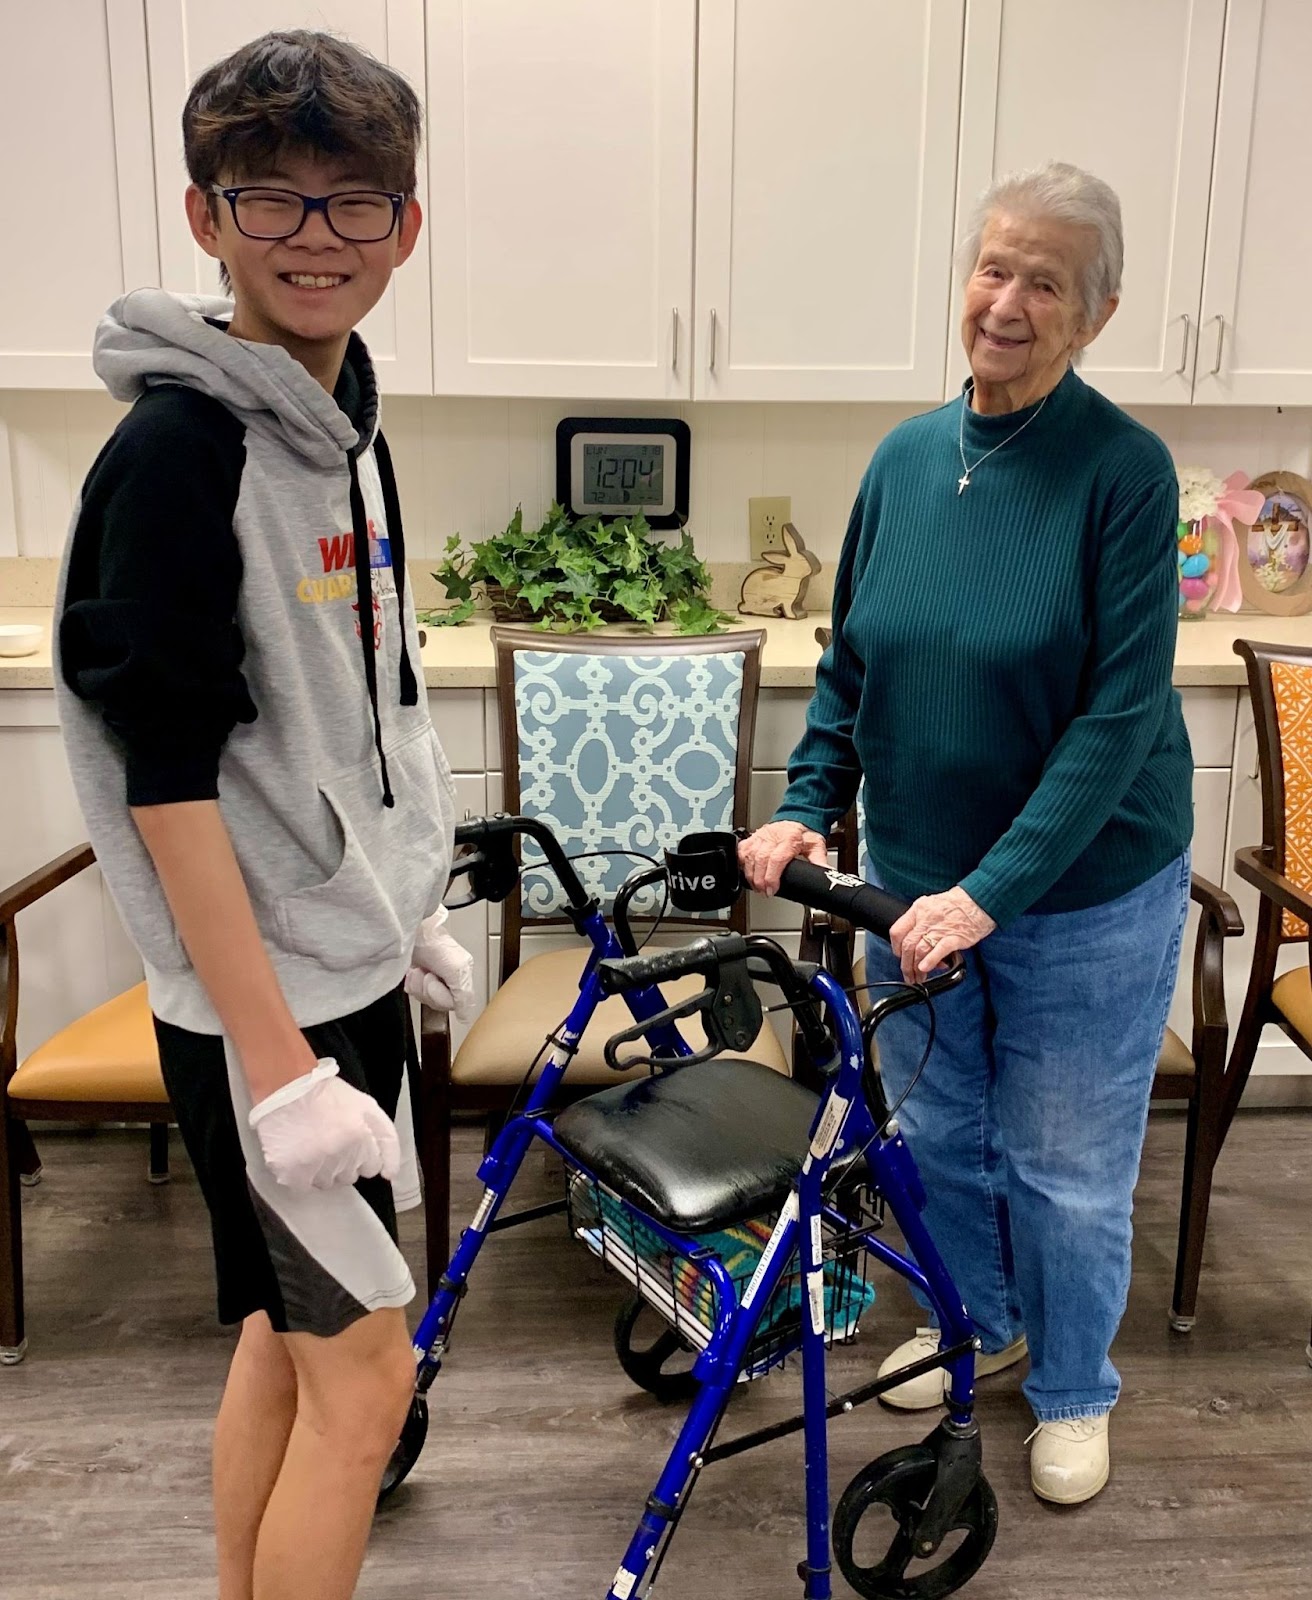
(614, 466)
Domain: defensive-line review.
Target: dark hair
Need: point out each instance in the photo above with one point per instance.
(306, 92)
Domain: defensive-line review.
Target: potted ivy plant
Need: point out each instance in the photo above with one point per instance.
(571, 575)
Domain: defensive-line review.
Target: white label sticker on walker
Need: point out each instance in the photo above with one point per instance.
(622, 1588)
(815, 1293)
(831, 1121)
(787, 1216)
(817, 1247)
(484, 1211)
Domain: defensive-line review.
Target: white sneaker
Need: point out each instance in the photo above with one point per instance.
(1069, 1461)
(927, 1391)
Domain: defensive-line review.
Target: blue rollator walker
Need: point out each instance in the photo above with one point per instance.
(665, 1173)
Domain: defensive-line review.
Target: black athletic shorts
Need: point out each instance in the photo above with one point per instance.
(315, 1261)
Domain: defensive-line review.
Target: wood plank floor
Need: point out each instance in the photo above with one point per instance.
(541, 1452)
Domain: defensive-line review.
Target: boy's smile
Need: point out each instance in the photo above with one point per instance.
(309, 291)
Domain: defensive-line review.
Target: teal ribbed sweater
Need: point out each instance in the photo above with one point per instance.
(1001, 666)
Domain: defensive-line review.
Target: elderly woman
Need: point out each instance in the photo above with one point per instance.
(1000, 676)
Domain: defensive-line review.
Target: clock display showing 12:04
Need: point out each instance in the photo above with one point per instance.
(624, 474)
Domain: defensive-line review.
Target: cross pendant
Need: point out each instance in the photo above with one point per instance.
(963, 483)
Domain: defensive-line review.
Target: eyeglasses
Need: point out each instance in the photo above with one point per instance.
(360, 216)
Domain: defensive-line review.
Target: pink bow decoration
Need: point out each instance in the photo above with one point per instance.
(1244, 504)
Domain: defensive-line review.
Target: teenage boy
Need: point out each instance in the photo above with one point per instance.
(260, 778)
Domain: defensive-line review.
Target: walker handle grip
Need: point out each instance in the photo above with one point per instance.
(842, 895)
(619, 975)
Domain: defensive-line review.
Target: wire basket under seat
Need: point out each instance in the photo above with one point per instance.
(676, 1286)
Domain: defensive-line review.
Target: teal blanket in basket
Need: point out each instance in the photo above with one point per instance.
(740, 1248)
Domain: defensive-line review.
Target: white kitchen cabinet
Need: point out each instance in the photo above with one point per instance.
(80, 207)
(185, 37)
(1256, 336)
(560, 196)
(826, 165)
(1127, 91)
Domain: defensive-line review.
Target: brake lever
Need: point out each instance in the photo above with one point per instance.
(492, 873)
(681, 1008)
(733, 1018)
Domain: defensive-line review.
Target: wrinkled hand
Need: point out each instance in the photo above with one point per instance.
(764, 855)
(933, 927)
(317, 1132)
(441, 973)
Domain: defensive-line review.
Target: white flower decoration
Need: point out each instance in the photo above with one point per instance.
(1199, 492)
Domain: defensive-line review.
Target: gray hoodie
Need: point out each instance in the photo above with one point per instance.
(337, 796)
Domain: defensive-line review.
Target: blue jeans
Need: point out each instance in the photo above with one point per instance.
(1028, 1121)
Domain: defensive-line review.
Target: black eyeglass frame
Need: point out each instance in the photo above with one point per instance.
(309, 203)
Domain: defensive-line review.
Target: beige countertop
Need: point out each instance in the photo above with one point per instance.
(461, 658)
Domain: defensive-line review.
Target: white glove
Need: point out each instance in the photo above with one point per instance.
(317, 1132)
(441, 974)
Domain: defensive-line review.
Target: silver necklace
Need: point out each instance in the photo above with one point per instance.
(963, 482)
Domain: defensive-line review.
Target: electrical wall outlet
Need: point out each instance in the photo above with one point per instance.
(766, 515)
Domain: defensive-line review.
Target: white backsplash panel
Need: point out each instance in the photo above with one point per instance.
(464, 464)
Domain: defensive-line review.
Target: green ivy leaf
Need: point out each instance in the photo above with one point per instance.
(451, 618)
(494, 564)
(454, 583)
(536, 595)
(697, 616)
(639, 598)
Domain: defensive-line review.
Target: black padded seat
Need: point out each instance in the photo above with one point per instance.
(698, 1148)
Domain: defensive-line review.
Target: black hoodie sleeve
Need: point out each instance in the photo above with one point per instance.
(149, 631)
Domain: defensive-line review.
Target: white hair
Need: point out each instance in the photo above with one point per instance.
(1068, 194)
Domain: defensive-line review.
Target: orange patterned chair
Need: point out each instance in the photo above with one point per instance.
(103, 1067)
(1280, 868)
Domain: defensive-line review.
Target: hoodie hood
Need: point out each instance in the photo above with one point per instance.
(153, 337)
(150, 338)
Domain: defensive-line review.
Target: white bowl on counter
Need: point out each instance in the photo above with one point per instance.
(20, 638)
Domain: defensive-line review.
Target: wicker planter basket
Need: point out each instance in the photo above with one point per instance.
(510, 608)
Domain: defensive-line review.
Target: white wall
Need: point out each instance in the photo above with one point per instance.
(465, 464)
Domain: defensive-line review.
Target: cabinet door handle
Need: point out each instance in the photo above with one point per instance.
(674, 339)
(1184, 348)
(1220, 342)
(711, 363)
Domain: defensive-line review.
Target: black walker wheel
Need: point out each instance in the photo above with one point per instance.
(414, 1430)
(646, 1365)
(902, 1480)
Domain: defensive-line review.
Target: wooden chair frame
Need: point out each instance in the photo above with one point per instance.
(439, 1096)
(19, 1162)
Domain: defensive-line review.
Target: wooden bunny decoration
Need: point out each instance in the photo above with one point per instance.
(778, 590)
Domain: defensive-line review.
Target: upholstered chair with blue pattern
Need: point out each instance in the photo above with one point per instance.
(620, 744)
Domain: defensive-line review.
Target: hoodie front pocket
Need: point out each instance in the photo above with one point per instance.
(369, 910)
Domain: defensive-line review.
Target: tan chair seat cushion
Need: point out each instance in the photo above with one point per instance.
(1291, 995)
(108, 1055)
(1176, 1059)
(535, 999)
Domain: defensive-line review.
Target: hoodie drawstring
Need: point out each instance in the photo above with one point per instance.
(365, 607)
(395, 532)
